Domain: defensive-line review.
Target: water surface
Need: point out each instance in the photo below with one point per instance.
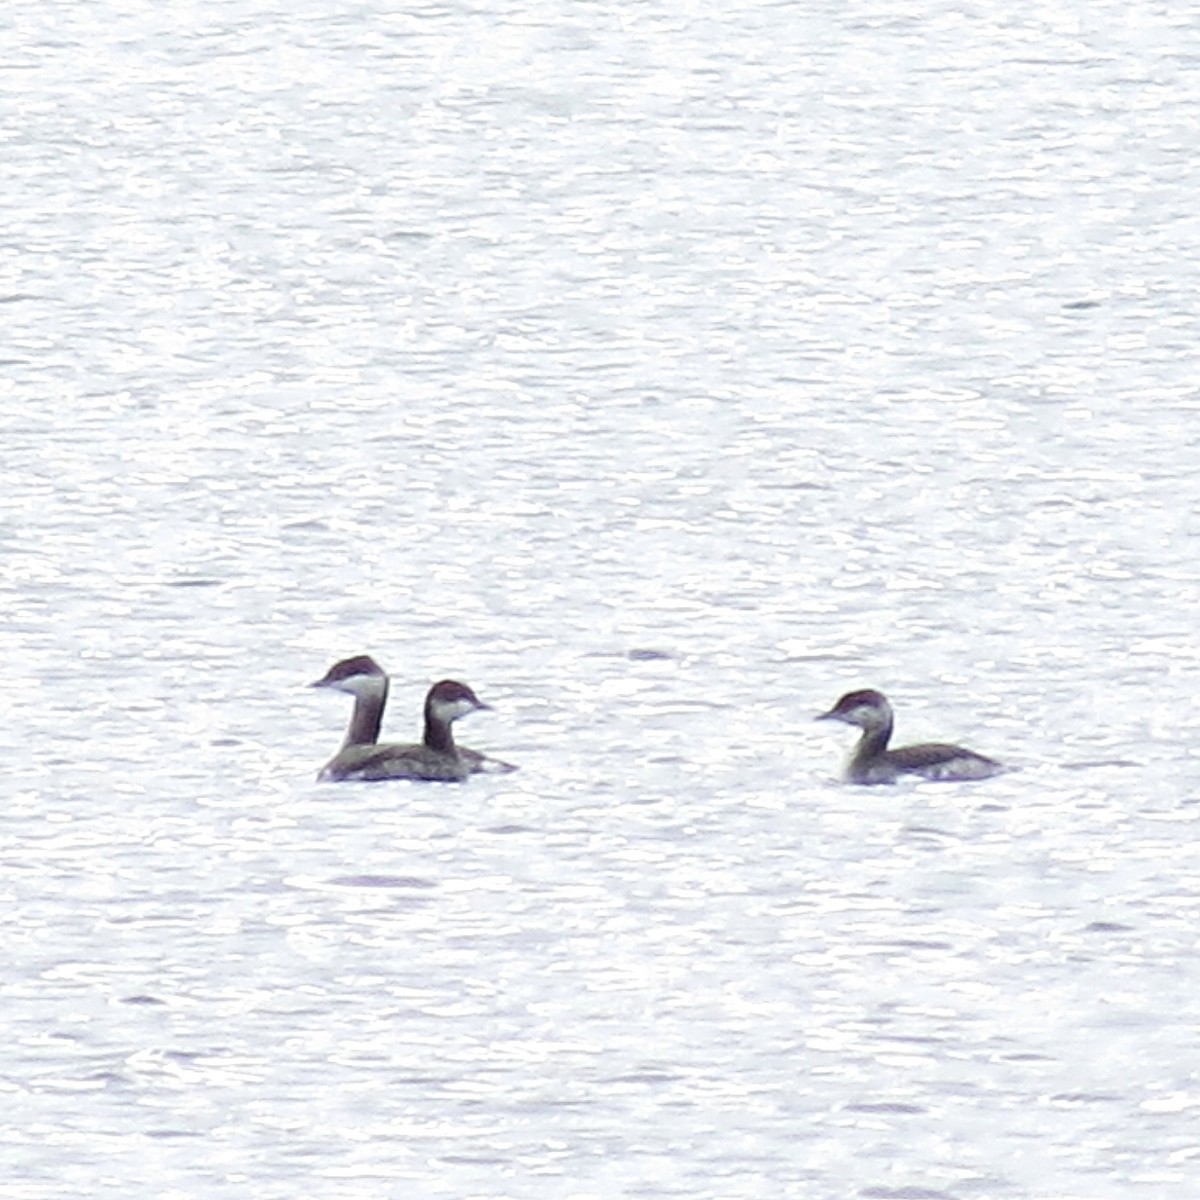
(663, 371)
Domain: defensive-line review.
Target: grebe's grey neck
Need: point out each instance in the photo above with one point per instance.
(364, 679)
(445, 703)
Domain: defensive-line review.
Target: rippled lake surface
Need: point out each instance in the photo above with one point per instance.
(662, 370)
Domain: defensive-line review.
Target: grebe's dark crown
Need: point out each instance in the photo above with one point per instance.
(863, 698)
(360, 664)
(450, 691)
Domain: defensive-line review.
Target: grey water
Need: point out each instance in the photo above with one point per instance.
(663, 371)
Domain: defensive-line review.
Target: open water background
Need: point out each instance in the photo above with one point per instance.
(663, 370)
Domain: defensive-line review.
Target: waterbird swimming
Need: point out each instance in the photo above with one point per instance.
(436, 757)
(872, 762)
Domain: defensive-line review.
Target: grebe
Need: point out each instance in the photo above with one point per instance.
(873, 762)
(363, 757)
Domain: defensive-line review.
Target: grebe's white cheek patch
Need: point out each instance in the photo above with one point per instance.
(451, 710)
(357, 685)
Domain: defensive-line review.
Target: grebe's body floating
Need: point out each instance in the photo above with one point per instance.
(873, 762)
(435, 757)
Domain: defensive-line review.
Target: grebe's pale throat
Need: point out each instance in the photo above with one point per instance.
(872, 762)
